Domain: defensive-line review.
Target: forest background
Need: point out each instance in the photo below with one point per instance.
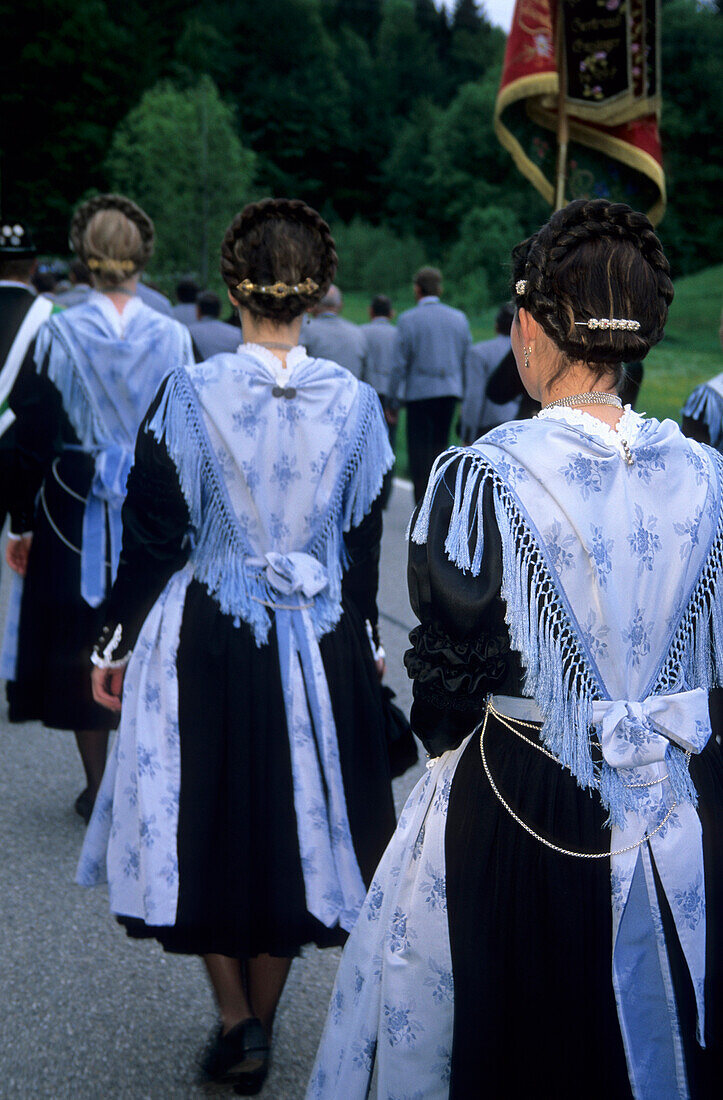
(377, 112)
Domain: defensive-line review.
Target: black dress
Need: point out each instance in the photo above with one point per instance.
(530, 929)
(241, 888)
(50, 482)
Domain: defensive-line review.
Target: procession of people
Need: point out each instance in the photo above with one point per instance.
(195, 516)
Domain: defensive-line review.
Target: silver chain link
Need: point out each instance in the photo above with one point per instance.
(548, 843)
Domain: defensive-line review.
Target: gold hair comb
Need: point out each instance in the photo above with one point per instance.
(278, 290)
(118, 266)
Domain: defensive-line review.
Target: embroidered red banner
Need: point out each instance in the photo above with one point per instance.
(608, 51)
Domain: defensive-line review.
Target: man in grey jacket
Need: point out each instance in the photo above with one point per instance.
(329, 336)
(380, 335)
(209, 334)
(431, 345)
(479, 413)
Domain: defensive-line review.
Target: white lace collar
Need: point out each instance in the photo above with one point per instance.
(118, 320)
(627, 428)
(282, 373)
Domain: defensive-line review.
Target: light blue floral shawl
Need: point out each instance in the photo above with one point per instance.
(612, 577)
(107, 367)
(706, 403)
(275, 466)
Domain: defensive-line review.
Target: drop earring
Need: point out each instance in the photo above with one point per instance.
(526, 352)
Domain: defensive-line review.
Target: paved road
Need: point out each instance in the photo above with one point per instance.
(87, 1014)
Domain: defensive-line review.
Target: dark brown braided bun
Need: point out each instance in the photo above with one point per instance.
(278, 241)
(595, 258)
(113, 237)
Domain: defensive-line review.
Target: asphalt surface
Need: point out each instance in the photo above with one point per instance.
(84, 1012)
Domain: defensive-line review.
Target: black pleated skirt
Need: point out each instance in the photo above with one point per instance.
(241, 888)
(531, 933)
(57, 627)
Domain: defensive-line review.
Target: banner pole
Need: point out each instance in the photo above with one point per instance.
(563, 129)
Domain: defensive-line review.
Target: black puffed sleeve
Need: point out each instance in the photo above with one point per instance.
(461, 650)
(156, 539)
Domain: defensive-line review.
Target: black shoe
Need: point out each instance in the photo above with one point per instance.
(239, 1058)
(250, 1084)
(84, 805)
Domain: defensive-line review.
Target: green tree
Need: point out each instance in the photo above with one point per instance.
(692, 134)
(412, 204)
(356, 186)
(292, 99)
(65, 86)
(374, 259)
(407, 65)
(178, 154)
(469, 166)
(360, 16)
(71, 71)
(486, 239)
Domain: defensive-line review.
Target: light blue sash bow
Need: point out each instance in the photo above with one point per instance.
(332, 880)
(104, 503)
(636, 738)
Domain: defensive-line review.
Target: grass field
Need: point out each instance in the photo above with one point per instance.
(689, 353)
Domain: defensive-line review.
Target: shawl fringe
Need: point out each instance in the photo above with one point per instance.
(558, 674)
(54, 352)
(695, 657)
(220, 550)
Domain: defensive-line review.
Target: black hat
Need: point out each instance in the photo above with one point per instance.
(16, 240)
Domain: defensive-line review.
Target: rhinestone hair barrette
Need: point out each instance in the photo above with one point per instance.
(278, 290)
(625, 323)
(520, 287)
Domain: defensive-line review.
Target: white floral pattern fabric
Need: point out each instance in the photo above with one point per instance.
(583, 535)
(131, 838)
(391, 1010)
(263, 547)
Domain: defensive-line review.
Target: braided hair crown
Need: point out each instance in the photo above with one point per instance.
(595, 259)
(278, 240)
(117, 259)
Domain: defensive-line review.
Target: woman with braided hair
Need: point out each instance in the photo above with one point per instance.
(97, 366)
(249, 790)
(537, 926)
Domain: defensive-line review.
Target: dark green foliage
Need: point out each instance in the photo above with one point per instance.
(692, 133)
(360, 16)
(374, 259)
(378, 112)
(466, 15)
(487, 236)
(178, 155)
(407, 65)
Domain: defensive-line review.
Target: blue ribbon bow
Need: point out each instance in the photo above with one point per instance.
(103, 507)
(636, 737)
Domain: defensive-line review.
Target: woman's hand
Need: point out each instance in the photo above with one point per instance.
(17, 552)
(108, 687)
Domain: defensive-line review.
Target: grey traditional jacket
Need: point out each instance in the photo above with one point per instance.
(329, 336)
(478, 413)
(429, 352)
(154, 299)
(380, 335)
(185, 312)
(212, 336)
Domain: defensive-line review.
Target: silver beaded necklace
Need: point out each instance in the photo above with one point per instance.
(594, 397)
